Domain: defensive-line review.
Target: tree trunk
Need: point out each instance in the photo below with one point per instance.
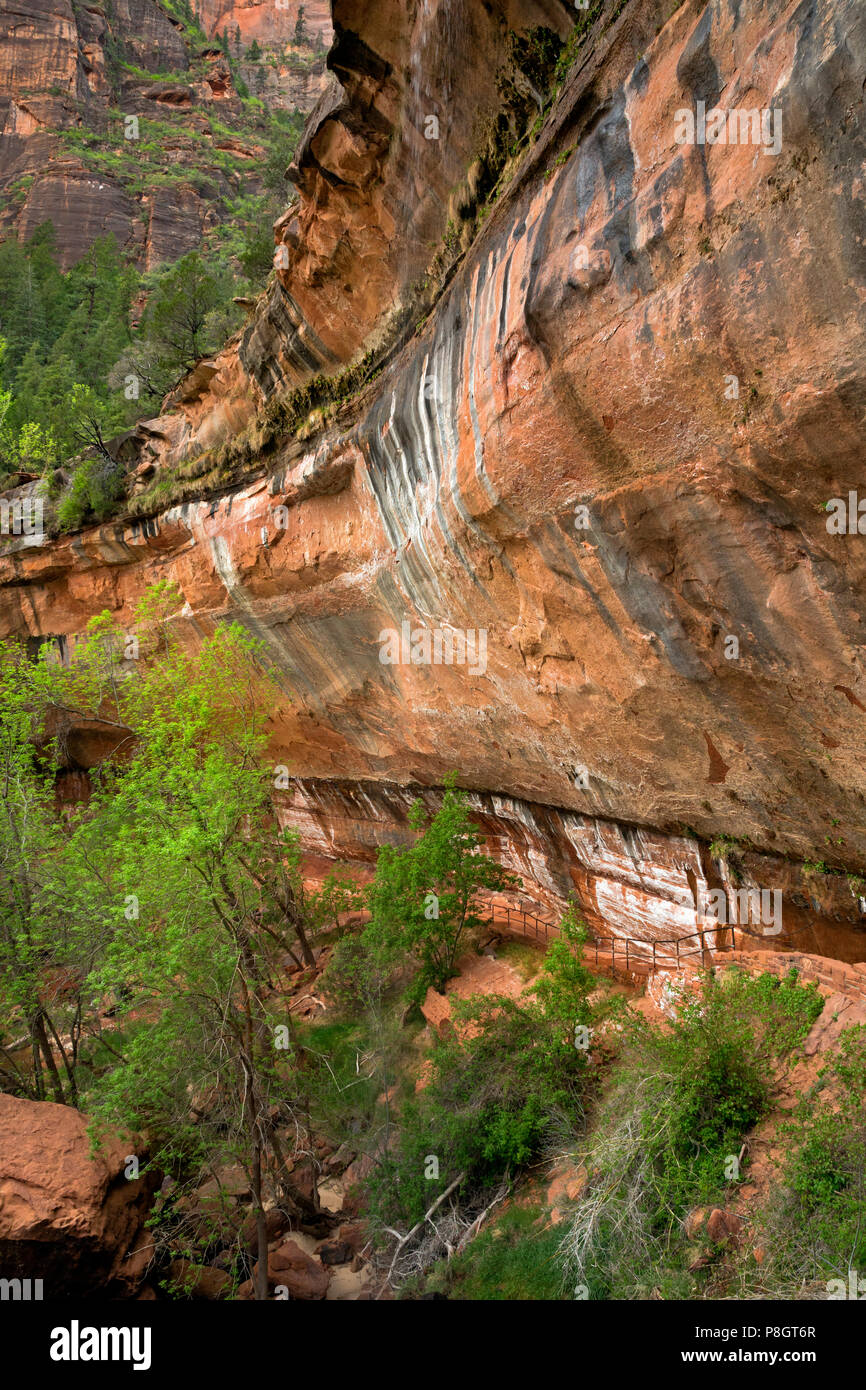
(261, 1276)
(37, 1031)
(306, 948)
(70, 1075)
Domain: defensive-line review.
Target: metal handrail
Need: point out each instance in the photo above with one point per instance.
(608, 945)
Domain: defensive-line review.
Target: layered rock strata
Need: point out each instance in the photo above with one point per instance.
(602, 465)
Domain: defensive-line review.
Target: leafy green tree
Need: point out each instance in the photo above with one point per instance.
(257, 256)
(55, 912)
(281, 149)
(177, 327)
(208, 893)
(34, 295)
(172, 895)
(425, 900)
(101, 288)
(28, 445)
(301, 34)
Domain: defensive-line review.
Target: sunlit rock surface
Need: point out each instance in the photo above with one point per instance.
(609, 451)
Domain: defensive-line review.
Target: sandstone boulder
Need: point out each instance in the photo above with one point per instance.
(719, 1226)
(291, 1268)
(276, 1222)
(198, 1281)
(72, 1220)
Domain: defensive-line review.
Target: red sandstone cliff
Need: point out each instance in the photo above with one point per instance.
(68, 69)
(583, 355)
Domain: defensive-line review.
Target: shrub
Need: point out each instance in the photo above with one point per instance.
(97, 486)
(497, 1086)
(813, 1226)
(686, 1096)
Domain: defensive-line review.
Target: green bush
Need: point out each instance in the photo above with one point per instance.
(814, 1225)
(96, 487)
(424, 902)
(498, 1086)
(686, 1096)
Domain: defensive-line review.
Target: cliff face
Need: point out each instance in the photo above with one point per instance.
(265, 19)
(72, 76)
(378, 170)
(604, 460)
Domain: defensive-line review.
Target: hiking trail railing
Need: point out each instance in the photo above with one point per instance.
(627, 953)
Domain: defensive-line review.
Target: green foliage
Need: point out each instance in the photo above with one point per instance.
(177, 324)
(62, 335)
(815, 866)
(509, 1072)
(686, 1095)
(172, 894)
(814, 1226)
(424, 905)
(96, 488)
(342, 1083)
(185, 826)
(512, 1260)
(54, 915)
(424, 900)
(281, 149)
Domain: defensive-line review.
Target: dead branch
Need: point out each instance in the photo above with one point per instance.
(480, 1218)
(426, 1217)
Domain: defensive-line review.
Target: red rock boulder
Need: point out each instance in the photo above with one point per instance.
(72, 1220)
(289, 1267)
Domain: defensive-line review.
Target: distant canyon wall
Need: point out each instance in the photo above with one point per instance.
(75, 68)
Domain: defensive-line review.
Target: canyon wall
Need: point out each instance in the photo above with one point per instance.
(605, 456)
(72, 76)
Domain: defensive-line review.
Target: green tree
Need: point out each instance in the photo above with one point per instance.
(177, 325)
(55, 914)
(27, 445)
(101, 289)
(171, 895)
(424, 900)
(209, 897)
(34, 295)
